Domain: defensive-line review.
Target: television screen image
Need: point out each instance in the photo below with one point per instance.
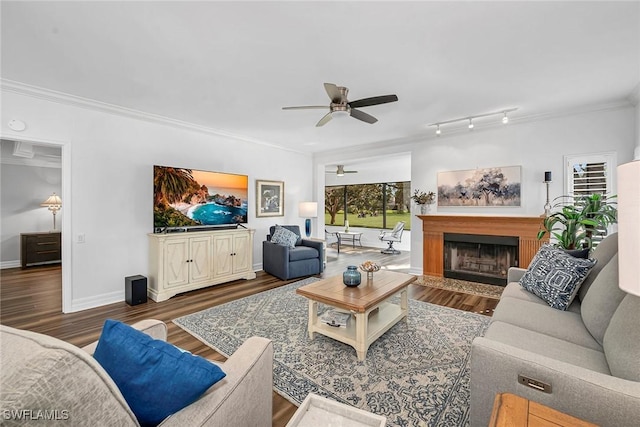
(191, 198)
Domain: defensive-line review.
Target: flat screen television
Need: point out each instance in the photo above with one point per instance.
(184, 198)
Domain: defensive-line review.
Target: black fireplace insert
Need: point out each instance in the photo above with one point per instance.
(479, 258)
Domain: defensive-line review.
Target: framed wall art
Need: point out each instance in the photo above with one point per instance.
(487, 187)
(269, 198)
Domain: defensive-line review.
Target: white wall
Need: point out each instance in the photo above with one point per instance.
(23, 188)
(111, 160)
(536, 146)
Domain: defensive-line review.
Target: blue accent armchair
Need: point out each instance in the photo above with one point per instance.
(306, 259)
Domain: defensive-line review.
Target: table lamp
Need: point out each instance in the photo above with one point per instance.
(308, 210)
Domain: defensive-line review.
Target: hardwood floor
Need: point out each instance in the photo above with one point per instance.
(31, 299)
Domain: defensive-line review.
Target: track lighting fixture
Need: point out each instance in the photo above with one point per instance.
(505, 119)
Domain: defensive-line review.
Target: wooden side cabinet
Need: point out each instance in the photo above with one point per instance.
(40, 248)
(511, 410)
(182, 262)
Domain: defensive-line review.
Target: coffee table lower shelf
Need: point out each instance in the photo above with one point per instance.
(363, 328)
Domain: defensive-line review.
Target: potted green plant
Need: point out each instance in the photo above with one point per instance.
(578, 220)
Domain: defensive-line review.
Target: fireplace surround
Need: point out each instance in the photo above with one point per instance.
(525, 228)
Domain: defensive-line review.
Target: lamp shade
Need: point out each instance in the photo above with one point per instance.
(308, 209)
(53, 200)
(629, 226)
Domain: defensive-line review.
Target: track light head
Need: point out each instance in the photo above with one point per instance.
(470, 123)
(438, 131)
(505, 119)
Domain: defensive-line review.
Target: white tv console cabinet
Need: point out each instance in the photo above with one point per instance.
(181, 262)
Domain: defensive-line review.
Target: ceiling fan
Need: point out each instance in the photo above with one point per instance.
(341, 106)
(340, 171)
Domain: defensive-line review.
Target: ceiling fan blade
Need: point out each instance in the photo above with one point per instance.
(324, 120)
(365, 102)
(334, 93)
(361, 115)
(305, 107)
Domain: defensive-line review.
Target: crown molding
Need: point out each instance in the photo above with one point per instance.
(78, 101)
(38, 163)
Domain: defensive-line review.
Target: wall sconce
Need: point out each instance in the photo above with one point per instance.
(54, 203)
(308, 210)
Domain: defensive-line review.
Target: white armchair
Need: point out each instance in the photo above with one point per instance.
(391, 237)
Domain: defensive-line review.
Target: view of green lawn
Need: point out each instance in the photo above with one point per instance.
(371, 221)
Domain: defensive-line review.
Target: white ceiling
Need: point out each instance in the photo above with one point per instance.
(231, 66)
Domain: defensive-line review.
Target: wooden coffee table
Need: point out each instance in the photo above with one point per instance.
(374, 314)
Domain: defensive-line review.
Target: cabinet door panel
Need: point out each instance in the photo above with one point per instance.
(222, 259)
(242, 251)
(200, 258)
(176, 265)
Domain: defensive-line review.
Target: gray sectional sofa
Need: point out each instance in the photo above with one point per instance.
(587, 357)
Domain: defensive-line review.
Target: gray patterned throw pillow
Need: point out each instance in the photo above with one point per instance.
(284, 237)
(555, 276)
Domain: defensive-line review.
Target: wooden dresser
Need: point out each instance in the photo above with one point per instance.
(39, 248)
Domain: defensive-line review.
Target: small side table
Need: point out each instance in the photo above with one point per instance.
(349, 235)
(318, 411)
(511, 410)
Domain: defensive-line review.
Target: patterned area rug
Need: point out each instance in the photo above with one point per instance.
(416, 374)
(481, 289)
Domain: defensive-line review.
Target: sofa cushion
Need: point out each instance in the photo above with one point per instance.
(156, 378)
(541, 318)
(622, 340)
(603, 253)
(515, 290)
(555, 276)
(545, 345)
(42, 372)
(303, 252)
(284, 237)
(602, 300)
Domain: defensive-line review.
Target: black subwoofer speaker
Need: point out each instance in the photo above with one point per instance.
(135, 289)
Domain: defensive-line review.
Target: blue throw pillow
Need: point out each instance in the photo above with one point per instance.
(555, 276)
(156, 378)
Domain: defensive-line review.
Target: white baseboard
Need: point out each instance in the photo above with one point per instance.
(9, 264)
(415, 271)
(80, 304)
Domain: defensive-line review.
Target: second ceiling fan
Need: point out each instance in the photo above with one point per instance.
(340, 105)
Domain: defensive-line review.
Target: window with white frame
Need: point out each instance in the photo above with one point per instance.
(590, 174)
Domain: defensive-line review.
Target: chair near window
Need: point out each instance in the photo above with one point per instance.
(330, 238)
(391, 237)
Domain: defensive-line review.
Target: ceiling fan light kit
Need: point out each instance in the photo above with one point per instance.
(340, 171)
(505, 119)
(340, 106)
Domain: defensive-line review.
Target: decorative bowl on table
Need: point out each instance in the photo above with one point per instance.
(369, 267)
